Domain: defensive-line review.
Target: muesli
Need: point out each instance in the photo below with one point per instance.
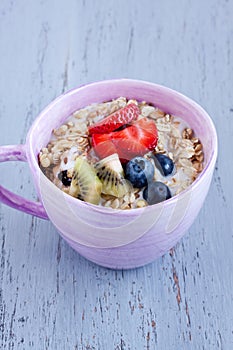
(122, 154)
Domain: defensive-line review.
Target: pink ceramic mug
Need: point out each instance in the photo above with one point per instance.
(110, 237)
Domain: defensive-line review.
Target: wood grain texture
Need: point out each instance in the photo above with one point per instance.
(52, 298)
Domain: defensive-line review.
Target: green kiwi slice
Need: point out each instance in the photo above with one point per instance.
(85, 183)
(110, 172)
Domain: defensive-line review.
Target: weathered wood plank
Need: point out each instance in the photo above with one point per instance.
(50, 297)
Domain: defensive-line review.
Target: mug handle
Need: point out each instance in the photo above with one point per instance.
(18, 153)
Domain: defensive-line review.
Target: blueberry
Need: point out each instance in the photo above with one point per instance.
(62, 176)
(164, 164)
(139, 171)
(156, 192)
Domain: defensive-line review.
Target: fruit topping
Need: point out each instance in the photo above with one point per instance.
(103, 145)
(156, 192)
(115, 120)
(110, 172)
(85, 183)
(139, 171)
(164, 164)
(135, 140)
(64, 178)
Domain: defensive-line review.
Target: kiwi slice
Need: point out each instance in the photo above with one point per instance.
(110, 172)
(85, 183)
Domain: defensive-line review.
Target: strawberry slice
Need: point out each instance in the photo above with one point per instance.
(136, 139)
(115, 120)
(103, 145)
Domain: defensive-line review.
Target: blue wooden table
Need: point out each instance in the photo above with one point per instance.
(52, 298)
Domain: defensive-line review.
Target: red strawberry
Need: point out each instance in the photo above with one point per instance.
(115, 120)
(136, 139)
(103, 145)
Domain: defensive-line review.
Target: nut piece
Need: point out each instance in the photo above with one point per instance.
(60, 131)
(195, 140)
(198, 166)
(70, 124)
(147, 110)
(167, 118)
(141, 203)
(200, 158)
(198, 147)
(115, 203)
(132, 198)
(45, 150)
(44, 160)
(187, 133)
(132, 101)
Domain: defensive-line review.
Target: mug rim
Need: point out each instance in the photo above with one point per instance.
(33, 160)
